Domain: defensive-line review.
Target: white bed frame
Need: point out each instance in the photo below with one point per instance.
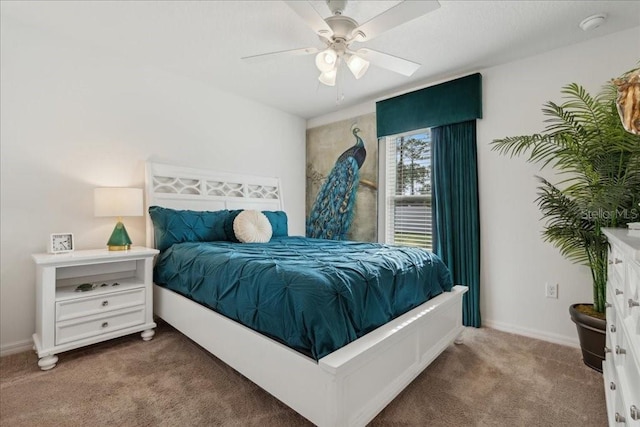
(348, 387)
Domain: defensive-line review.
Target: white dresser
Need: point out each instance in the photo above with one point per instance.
(621, 368)
(119, 300)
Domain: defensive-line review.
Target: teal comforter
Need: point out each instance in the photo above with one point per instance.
(313, 295)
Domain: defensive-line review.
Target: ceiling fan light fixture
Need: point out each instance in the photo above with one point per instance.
(357, 65)
(326, 60)
(329, 77)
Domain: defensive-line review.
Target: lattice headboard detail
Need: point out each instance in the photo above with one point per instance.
(179, 187)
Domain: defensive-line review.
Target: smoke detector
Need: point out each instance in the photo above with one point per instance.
(592, 22)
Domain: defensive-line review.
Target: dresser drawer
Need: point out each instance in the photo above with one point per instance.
(613, 329)
(632, 291)
(617, 292)
(104, 302)
(616, 262)
(85, 327)
(631, 370)
(610, 388)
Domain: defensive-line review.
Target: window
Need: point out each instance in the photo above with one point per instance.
(407, 182)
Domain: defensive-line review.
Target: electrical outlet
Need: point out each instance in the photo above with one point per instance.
(551, 290)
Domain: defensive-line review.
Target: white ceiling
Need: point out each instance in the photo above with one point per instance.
(205, 40)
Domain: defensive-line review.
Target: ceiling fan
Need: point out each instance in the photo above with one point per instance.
(338, 32)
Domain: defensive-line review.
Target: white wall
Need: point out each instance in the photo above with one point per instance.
(516, 263)
(74, 118)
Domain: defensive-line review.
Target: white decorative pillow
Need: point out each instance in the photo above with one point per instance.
(252, 227)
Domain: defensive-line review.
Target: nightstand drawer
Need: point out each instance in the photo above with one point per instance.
(77, 329)
(104, 302)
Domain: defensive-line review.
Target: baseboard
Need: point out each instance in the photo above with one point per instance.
(25, 345)
(16, 347)
(533, 333)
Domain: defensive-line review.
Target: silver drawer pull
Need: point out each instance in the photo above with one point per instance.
(619, 418)
(105, 324)
(620, 350)
(633, 303)
(612, 328)
(635, 412)
(617, 261)
(607, 349)
(105, 303)
(607, 305)
(612, 385)
(619, 292)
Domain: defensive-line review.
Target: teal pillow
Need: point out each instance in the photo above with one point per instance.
(278, 220)
(176, 226)
(228, 226)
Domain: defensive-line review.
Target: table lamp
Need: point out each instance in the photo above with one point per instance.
(118, 202)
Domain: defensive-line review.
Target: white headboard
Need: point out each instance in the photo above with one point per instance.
(179, 187)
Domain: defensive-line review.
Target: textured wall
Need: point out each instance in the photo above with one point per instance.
(324, 146)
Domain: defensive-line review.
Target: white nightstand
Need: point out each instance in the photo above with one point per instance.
(121, 302)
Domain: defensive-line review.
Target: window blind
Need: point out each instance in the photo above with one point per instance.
(408, 190)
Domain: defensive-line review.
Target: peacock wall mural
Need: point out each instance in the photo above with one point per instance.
(342, 169)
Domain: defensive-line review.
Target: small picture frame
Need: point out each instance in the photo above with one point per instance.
(61, 243)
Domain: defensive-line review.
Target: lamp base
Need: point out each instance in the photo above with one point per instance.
(119, 247)
(119, 240)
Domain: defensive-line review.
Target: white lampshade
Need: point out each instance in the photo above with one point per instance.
(357, 65)
(117, 201)
(326, 60)
(329, 77)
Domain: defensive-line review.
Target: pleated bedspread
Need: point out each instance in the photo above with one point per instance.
(313, 295)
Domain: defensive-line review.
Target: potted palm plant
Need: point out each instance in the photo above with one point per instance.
(598, 163)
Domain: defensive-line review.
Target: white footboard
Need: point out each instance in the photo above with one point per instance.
(350, 386)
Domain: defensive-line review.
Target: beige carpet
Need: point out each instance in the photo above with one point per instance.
(493, 379)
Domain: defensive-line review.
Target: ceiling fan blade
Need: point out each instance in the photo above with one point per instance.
(390, 62)
(280, 54)
(397, 15)
(311, 17)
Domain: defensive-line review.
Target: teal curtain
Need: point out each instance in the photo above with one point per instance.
(455, 209)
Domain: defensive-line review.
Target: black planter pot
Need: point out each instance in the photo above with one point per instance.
(592, 335)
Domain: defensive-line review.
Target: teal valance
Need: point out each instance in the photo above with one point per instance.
(451, 102)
